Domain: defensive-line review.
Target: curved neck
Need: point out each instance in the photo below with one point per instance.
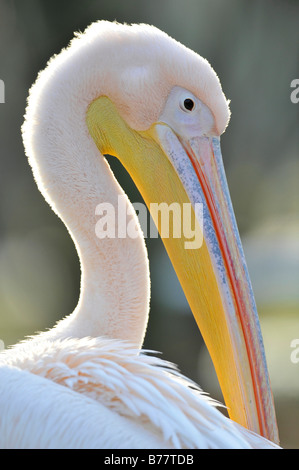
(114, 297)
(75, 178)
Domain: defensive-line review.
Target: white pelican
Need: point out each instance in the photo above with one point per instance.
(135, 93)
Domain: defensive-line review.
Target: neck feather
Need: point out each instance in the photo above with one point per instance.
(75, 178)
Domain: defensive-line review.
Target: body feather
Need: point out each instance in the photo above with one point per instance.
(133, 384)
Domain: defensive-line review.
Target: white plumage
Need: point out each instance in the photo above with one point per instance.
(85, 383)
(74, 392)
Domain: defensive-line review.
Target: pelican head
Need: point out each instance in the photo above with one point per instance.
(135, 93)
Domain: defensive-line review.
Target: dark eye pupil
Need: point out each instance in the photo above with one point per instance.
(189, 104)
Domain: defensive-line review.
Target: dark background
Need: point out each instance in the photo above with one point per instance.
(253, 46)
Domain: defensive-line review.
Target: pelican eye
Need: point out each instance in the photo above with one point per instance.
(189, 104)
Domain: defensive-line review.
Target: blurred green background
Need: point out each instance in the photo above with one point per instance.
(253, 45)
